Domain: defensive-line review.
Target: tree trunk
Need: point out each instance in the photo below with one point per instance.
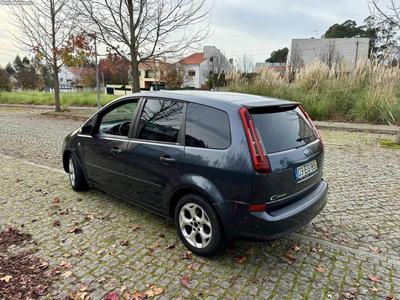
(56, 89)
(397, 139)
(135, 75)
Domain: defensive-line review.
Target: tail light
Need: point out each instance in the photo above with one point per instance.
(257, 149)
(313, 125)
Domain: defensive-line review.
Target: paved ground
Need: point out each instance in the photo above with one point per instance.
(356, 236)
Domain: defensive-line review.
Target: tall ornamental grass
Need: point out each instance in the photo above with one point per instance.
(369, 92)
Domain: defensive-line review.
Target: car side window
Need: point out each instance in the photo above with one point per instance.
(207, 127)
(160, 120)
(118, 120)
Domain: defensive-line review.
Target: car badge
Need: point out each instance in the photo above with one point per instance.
(307, 152)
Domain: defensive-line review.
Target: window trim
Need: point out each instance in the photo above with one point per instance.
(229, 126)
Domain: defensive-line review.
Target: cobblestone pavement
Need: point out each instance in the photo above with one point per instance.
(355, 236)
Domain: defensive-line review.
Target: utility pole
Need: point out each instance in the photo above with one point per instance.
(155, 74)
(316, 33)
(93, 36)
(355, 63)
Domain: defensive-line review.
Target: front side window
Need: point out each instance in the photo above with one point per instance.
(207, 127)
(192, 73)
(161, 120)
(118, 120)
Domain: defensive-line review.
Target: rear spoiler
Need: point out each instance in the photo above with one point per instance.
(273, 102)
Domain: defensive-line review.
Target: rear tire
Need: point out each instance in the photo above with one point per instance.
(198, 225)
(76, 176)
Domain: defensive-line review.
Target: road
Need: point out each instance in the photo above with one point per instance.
(356, 235)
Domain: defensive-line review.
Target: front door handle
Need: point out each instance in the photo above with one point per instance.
(167, 159)
(116, 150)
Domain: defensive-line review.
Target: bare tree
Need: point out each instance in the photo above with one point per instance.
(245, 64)
(140, 30)
(393, 17)
(295, 62)
(44, 26)
(330, 55)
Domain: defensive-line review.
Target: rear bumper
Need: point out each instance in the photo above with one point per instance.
(281, 222)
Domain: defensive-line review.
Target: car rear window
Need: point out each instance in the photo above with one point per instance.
(207, 127)
(283, 130)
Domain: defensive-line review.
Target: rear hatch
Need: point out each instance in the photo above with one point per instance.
(294, 151)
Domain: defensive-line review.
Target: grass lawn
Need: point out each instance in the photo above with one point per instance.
(67, 99)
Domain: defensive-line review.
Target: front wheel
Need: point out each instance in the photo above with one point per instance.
(198, 225)
(76, 176)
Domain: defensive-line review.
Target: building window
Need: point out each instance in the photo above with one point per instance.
(139, 73)
(211, 59)
(192, 73)
(61, 79)
(211, 72)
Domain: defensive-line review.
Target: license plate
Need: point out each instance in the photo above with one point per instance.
(306, 169)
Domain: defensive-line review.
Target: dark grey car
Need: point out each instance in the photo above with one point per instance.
(221, 165)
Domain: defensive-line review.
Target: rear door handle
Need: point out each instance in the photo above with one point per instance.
(116, 150)
(167, 159)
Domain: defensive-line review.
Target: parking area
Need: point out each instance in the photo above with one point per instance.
(118, 247)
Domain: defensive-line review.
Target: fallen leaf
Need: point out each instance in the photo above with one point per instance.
(348, 296)
(377, 236)
(290, 261)
(124, 243)
(233, 249)
(374, 289)
(344, 240)
(123, 289)
(65, 264)
(320, 269)
(66, 274)
(6, 278)
(324, 229)
(250, 251)
(176, 258)
(170, 246)
(44, 265)
(67, 255)
(56, 223)
(356, 283)
(353, 292)
(294, 247)
(83, 287)
(112, 284)
(80, 252)
(157, 244)
(151, 250)
(55, 207)
(329, 296)
(56, 199)
(185, 280)
(290, 256)
(374, 278)
(377, 250)
(136, 226)
(112, 296)
(327, 234)
(100, 252)
(391, 297)
(317, 250)
(375, 228)
(187, 255)
(101, 279)
(138, 296)
(111, 252)
(233, 277)
(240, 259)
(274, 244)
(191, 267)
(335, 239)
(64, 212)
(48, 273)
(162, 235)
(89, 216)
(254, 281)
(126, 296)
(75, 230)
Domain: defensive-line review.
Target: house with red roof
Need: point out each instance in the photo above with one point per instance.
(68, 79)
(200, 65)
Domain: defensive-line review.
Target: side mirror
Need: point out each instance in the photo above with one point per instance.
(87, 129)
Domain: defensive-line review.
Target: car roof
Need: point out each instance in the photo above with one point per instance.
(217, 99)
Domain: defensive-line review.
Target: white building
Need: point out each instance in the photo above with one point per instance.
(347, 48)
(68, 79)
(200, 65)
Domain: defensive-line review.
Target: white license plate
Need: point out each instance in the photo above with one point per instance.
(306, 169)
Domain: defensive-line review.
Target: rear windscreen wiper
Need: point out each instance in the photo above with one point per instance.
(303, 138)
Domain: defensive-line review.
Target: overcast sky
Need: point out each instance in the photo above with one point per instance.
(254, 27)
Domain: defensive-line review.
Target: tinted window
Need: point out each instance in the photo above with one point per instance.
(283, 130)
(118, 120)
(207, 127)
(161, 121)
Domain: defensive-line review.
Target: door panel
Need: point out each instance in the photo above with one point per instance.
(148, 177)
